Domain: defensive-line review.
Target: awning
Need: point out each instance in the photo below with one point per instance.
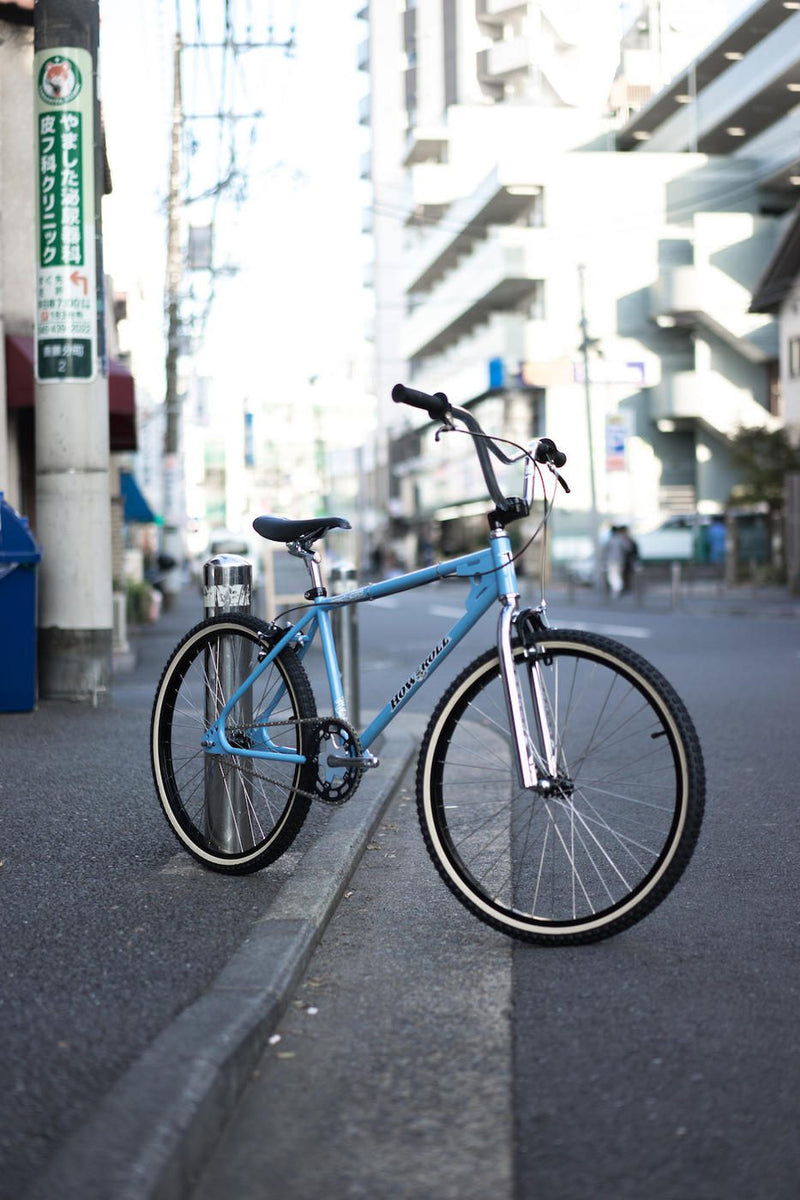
(121, 402)
(135, 508)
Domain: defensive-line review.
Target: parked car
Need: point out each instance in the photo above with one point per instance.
(682, 537)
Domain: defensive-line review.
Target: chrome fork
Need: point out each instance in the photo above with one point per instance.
(533, 770)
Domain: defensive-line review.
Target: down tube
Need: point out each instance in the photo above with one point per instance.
(478, 602)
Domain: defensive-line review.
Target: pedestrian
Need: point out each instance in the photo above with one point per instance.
(614, 557)
(631, 559)
(717, 538)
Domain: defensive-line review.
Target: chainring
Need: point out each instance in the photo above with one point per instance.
(334, 785)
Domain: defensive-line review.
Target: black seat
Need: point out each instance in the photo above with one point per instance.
(282, 529)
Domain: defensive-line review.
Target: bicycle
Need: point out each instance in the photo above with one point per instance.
(560, 781)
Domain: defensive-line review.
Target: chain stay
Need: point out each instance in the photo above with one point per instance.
(329, 791)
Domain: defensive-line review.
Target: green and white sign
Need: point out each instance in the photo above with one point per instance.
(66, 300)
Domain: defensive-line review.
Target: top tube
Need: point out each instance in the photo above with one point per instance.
(465, 566)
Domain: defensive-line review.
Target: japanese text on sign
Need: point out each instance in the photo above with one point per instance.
(66, 276)
(60, 195)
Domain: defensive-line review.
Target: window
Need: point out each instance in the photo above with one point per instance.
(794, 357)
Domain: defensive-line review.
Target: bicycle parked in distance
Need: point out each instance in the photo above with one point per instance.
(560, 781)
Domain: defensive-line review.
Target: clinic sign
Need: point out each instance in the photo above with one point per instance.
(66, 301)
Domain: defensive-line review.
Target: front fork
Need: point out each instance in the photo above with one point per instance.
(534, 771)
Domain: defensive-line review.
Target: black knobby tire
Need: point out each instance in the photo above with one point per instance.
(614, 833)
(234, 813)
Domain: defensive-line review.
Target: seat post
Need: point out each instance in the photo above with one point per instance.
(312, 560)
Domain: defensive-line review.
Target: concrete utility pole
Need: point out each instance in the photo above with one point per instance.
(73, 507)
(172, 539)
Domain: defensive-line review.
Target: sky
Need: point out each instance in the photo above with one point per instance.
(293, 306)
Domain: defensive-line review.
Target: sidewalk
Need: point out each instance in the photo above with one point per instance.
(142, 1137)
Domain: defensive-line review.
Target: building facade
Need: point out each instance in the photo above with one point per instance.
(570, 200)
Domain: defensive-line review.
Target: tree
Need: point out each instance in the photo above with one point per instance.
(765, 457)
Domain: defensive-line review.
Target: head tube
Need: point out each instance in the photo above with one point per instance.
(503, 555)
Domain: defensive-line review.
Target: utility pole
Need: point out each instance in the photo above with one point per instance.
(172, 544)
(585, 346)
(174, 501)
(73, 502)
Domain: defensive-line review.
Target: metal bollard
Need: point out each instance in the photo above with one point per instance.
(227, 588)
(345, 633)
(639, 583)
(675, 584)
(227, 585)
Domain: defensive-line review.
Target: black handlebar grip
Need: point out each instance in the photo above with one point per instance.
(436, 406)
(548, 451)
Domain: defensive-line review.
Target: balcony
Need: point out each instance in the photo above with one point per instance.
(430, 184)
(362, 58)
(692, 296)
(708, 398)
(501, 275)
(567, 20)
(493, 203)
(462, 370)
(504, 60)
(498, 12)
(365, 109)
(426, 145)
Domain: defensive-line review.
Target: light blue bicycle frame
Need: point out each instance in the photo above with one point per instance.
(493, 578)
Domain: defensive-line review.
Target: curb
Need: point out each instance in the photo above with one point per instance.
(152, 1133)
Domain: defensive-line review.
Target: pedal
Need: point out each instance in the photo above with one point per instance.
(365, 761)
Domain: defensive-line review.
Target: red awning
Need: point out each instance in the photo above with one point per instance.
(121, 401)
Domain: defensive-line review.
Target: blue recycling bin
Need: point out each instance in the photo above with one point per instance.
(19, 556)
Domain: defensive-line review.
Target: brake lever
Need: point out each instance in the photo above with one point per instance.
(560, 478)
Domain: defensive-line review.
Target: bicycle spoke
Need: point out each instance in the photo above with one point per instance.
(234, 812)
(575, 849)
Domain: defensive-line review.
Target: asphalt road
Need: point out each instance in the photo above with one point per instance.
(425, 1055)
(667, 1055)
(666, 1062)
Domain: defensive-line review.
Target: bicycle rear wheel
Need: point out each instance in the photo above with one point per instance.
(234, 813)
(605, 843)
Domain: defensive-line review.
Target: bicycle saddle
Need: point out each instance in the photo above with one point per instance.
(282, 529)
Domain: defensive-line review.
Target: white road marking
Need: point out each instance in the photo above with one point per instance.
(445, 610)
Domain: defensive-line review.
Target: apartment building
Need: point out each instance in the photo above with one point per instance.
(551, 189)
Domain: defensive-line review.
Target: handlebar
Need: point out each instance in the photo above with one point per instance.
(439, 408)
(548, 452)
(436, 406)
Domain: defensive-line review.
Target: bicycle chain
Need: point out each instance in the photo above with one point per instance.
(332, 792)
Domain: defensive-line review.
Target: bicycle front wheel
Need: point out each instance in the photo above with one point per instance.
(605, 837)
(234, 813)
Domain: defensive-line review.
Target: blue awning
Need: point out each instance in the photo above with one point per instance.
(135, 508)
